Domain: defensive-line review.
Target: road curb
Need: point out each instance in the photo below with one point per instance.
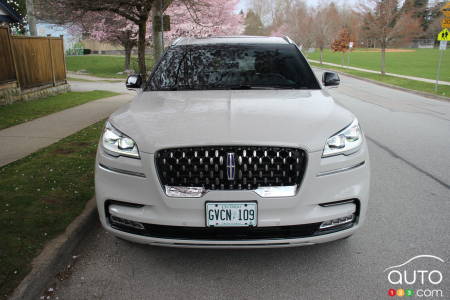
(424, 94)
(55, 254)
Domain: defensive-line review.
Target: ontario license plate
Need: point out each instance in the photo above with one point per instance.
(231, 214)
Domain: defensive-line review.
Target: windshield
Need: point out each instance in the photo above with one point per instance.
(233, 67)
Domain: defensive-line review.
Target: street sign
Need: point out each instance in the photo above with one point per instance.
(446, 9)
(157, 23)
(445, 23)
(444, 35)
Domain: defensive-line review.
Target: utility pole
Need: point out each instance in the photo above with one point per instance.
(31, 18)
(157, 13)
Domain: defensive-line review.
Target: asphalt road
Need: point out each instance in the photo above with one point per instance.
(409, 143)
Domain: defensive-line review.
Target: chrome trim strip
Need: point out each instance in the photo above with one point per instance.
(337, 222)
(184, 192)
(115, 170)
(338, 203)
(198, 192)
(276, 191)
(340, 170)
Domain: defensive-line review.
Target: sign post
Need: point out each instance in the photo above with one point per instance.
(443, 37)
(442, 47)
(350, 47)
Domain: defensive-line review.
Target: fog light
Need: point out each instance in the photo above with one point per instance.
(125, 222)
(337, 222)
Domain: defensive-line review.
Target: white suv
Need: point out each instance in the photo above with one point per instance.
(232, 142)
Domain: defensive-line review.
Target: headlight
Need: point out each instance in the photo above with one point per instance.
(118, 144)
(346, 141)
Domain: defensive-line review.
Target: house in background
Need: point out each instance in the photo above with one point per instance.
(70, 39)
(97, 47)
(73, 41)
(8, 14)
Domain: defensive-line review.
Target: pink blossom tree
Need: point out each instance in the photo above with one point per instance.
(110, 28)
(210, 17)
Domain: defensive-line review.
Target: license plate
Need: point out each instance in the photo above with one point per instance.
(231, 214)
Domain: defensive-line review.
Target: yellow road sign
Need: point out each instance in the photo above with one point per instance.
(444, 35)
(445, 22)
(446, 9)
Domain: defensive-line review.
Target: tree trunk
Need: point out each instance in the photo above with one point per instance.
(141, 48)
(321, 55)
(31, 18)
(157, 36)
(128, 48)
(383, 58)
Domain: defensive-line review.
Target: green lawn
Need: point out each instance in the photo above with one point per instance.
(419, 63)
(102, 65)
(39, 196)
(444, 90)
(24, 111)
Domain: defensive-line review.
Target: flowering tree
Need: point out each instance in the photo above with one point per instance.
(115, 29)
(138, 12)
(109, 20)
(110, 28)
(211, 17)
(19, 8)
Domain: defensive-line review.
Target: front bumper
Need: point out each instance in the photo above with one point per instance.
(326, 180)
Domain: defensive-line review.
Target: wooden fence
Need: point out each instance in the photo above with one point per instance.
(31, 61)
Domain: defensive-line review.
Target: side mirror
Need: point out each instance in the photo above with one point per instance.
(331, 79)
(134, 82)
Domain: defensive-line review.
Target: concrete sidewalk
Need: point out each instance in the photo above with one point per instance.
(377, 72)
(23, 139)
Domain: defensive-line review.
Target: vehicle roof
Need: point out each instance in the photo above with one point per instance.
(231, 40)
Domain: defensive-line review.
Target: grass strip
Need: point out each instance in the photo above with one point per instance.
(24, 111)
(103, 65)
(411, 62)
(40, 195)
(443, 90)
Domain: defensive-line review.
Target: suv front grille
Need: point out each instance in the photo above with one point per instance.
(231, 167)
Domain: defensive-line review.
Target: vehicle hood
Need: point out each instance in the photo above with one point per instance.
(293, 118)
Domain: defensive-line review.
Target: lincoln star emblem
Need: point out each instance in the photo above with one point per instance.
(231, 166)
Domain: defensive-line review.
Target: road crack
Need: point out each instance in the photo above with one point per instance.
(412, 165)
